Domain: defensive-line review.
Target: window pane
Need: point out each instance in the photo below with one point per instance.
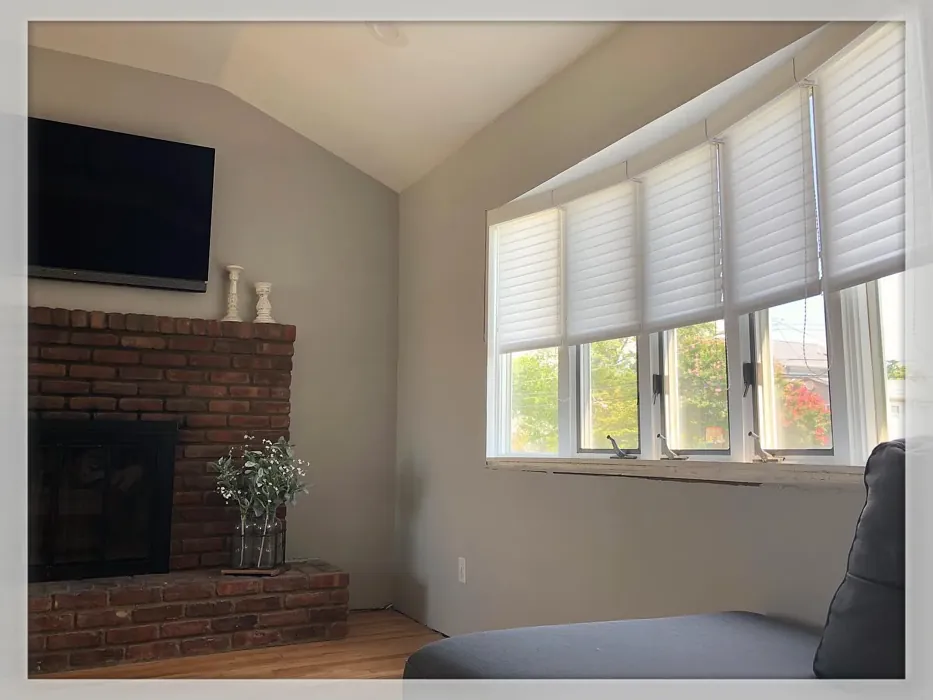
(891, 303)
(609, 394)
(533, 401)
(697, 399)
(793, 396)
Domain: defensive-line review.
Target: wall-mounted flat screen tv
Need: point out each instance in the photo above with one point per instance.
(117, 208)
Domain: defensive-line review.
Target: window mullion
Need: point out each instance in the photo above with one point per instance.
(879, 393)
(737, 349)
(838, 394)
(646, 409)
(767, 401)
(581, 396)
(655, 404)
(504, 422)
(670, 386)
(566, 391)
(493, 403)
(860, 385)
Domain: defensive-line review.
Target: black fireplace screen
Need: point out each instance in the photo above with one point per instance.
(100, 498)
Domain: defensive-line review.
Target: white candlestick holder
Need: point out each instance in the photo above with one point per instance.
(263, 305)
(233, 311)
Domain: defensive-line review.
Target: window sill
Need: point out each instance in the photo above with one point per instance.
(734, 473)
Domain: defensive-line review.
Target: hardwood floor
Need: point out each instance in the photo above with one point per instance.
(377, 646)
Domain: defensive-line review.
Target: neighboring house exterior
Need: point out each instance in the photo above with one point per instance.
(806, 362)
(894, 389)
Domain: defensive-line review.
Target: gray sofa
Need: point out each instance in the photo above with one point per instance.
(863, 636)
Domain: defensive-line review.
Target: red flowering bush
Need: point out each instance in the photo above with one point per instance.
(805, 417)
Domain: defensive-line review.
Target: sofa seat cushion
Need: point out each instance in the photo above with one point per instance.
(720, 645)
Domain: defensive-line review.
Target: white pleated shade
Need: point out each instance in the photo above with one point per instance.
(602, 267)
(860, 111)
(654, 254)
(528, 282)
(683, 261)
(769, 206)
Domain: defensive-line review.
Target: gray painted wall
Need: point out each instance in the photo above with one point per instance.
(325, 235)
(547, 548)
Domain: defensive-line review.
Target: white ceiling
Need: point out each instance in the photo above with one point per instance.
(394, 112)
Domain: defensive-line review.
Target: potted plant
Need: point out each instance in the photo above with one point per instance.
(258, 478)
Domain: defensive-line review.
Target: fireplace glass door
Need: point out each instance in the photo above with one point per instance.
(100, 498)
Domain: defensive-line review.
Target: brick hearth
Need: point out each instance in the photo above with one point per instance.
(99, 622)
(216, 380)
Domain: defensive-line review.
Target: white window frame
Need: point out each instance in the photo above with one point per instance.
(664, 351)
(839, 452)
(580, 427)
(856, 387)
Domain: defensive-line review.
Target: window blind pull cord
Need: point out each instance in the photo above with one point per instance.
(807, 85)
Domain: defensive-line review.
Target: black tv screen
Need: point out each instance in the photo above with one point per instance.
(117, 208)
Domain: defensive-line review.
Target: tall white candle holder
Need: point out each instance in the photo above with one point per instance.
(233, 311)
(263, 305)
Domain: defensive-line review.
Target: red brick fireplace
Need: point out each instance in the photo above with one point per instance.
(216, 381)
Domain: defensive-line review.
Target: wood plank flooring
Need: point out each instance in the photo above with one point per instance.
(377, 646)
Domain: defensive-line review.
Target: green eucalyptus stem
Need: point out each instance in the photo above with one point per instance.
(242, 537)
(262, 541)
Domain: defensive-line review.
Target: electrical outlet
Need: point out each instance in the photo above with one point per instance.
(461, 569)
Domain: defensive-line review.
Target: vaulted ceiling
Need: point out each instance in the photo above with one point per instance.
(394, 100)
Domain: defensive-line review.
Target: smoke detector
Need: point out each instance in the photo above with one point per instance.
(388, 33)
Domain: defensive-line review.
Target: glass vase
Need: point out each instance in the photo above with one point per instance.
(258, 542)
(269, 542)
(243, 548)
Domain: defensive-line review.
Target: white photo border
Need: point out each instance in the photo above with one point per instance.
(14, 15)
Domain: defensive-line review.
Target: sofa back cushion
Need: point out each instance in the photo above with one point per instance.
(864, 632)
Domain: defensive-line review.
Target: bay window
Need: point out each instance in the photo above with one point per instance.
(739, 301)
